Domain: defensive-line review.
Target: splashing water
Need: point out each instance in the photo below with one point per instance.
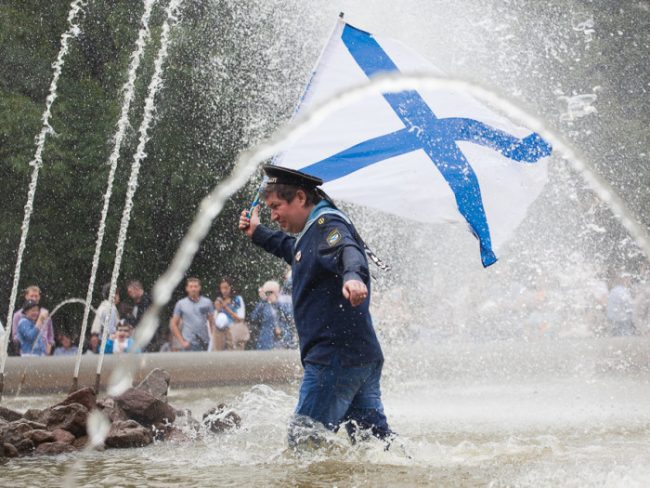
(98, 426)
(578, 106)
(586, 26)
(71, 300)
(248, 161)
(154, 86)
(555, 427)
(128, 90)
(37, 162)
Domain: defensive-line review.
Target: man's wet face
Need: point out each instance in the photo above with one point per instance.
(291, 216)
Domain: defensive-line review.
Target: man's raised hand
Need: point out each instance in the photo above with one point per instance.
(248, 224)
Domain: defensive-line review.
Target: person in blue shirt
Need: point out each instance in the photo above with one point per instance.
(339, 350)
(30, 330)
(122, 342)
(274, 319)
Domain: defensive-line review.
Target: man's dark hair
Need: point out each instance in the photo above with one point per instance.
(135, 284)
(192, 279)
(288, 192)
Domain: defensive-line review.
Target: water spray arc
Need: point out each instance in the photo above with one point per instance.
(128, 91)
(249, 160)
(69, 301)
(154, 86)
(46, 130)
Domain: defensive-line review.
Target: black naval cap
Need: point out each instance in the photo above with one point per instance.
(286, 176)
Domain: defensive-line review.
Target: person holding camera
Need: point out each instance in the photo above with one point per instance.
(231, 331)
(30, 330)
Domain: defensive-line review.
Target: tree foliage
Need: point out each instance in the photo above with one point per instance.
(212, 105)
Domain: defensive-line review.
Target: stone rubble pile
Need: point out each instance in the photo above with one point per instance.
(138, 417)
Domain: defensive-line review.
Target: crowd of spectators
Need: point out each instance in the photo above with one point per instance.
(219, 321)
(198, 322)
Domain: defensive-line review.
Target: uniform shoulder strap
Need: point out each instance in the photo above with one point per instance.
(335, 210)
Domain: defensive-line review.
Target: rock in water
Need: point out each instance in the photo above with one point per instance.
(84, 396)
(111, 410)
(33, 414)
(220, 418)
(174, 434)
(39, 436)
(15, 432)
(25, 446)
(81, 442)
(156, 383)
(9, 415)
(128, 433)
(54, 448)
(142, 406)
(8, 450)
(70, 417)
(63, 436)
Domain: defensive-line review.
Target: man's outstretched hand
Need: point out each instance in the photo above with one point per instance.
(355, 291)
(248, 224)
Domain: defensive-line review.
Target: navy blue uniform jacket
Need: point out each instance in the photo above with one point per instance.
(326, 255)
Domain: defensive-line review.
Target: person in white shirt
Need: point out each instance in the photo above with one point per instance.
(106, 313)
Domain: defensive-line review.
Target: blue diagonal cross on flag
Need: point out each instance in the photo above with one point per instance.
(395, 154)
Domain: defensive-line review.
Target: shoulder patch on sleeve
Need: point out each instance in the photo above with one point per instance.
(333, 237)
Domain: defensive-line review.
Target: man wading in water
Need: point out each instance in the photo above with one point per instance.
(339, 349)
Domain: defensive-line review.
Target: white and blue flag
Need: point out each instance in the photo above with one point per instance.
(434, 157)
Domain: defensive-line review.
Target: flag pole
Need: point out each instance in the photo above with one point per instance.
(258, 193)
